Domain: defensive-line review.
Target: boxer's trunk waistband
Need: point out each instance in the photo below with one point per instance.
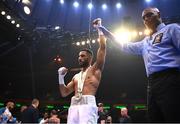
(85, 100)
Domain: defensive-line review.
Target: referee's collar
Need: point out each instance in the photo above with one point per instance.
(160, 26)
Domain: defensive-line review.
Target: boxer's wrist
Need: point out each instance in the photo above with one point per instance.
(61, 75)
(61, 79)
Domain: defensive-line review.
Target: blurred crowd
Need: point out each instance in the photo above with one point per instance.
(30, 114)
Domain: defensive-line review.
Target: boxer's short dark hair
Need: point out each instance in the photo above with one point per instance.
(88, 51)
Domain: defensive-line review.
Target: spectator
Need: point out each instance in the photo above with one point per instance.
(31, 114)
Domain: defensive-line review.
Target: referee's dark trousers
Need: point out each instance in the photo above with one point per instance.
(164, 96)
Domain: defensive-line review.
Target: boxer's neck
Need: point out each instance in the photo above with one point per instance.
(85, 68)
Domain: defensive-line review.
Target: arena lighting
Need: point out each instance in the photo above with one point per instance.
(125, 35)
(57, 59)
(118, 5)
(83, 43)
(8, 17)
(18, 105)
(88, 41)
(27, 10)
(17, 25)
(77, 43)
(120, 107)
(140, 33)
(65, 107)
(122, 35)
(98, 39)
(90, 6)
(140, 107)
(1, 104)
(61, 1)
(57, 27)
(19, 38)
(18, 1)
(104, 6)
(3, 12)
(93, 41)
(106, 107)
(148, 1)
(12, 22)
(134, 34)
(76, 4)
(27, 2)
(146, 32)
(50, 106)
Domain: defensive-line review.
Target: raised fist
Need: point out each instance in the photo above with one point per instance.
(97, 22)
(62, 71)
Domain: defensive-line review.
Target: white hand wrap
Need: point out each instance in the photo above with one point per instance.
(61, 76)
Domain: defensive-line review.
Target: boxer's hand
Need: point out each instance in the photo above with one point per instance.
(62, 71)
(97, 23)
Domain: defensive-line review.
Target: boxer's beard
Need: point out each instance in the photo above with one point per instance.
(84, 64)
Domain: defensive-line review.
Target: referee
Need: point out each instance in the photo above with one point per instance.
(161, 53)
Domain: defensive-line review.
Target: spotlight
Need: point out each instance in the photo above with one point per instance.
(93, 41)
(57, 27)
(27, 10)
(148, 1)
(87, 41)
(76, 4)
(123, 35)
(140, 33)
(57, 59)
(134, 34)
(83, 43)
(146, 32)
(77, 43)
(104, 6)
(8, 17)
(13, 22)
(61, 1)
(27, 2)
(17, 25)
(18, 1)
(3, 12)
(90, 6)
(19, 37)
(118, 5)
